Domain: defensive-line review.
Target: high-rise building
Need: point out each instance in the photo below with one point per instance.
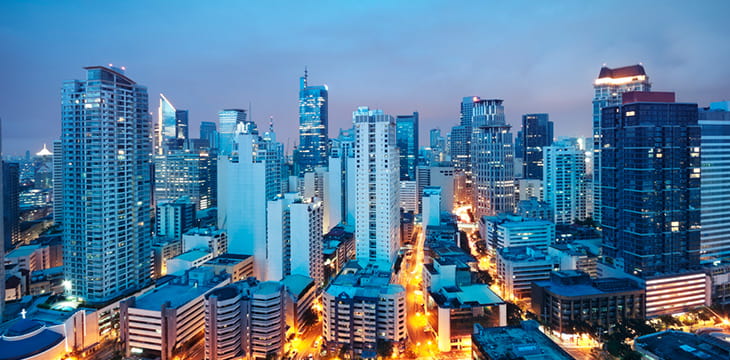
(361, 309)
(461, 136)
(58, 183)
(247, 178)
(377, 200)
(564, 186)
(245, 320)
(537, 133)
(187, 173)
(715, 153)
(340, 196)
(209, 132)
(407, 142)
(172, 124)
(107, 218)
(313, 138)
(2, 229)
(228, 121)
(650, 184)
(11, 204)
(608, 91)
(174, 218)
(492, 159)
(294, 238)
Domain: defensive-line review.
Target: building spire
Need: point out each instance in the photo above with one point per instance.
(303, 79)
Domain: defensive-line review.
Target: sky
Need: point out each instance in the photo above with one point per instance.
(398, 56)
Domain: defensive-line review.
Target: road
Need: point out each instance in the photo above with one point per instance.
(304, 344)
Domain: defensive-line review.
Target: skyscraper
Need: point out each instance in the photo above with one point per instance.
(407, 142)
(172, 124)
(461, 136)
(228, 120)
(106, 184)
(209, 132)
(492, 159)
(377, 213)
(650, 183)
(564, 181)
(537, 133)
(11, 203)
(608, 89)
(2, 243)
(186, 173)
(715, 219)
(58, 183)
(313, 104)
(247, 178)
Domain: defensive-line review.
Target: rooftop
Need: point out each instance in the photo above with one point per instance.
(192, 255)
(524, 342)
(466, 296)
(678, 345)
(22, 251)
(569, 283)
(178, 292)
(297, 284)
(369, 281)
(622, 72)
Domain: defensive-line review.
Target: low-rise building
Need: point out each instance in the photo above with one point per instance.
(238, 266)
(186, 261)
(30, 257)
(571, 299)
(165, 320)
(362, 307)
(207, 239)
(162, 250)
(338, 247)
(505, 230)
(518, 267)
(575, 257)
(523, 342)
(678, 345)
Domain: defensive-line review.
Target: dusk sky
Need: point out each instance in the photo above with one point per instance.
(399, 56)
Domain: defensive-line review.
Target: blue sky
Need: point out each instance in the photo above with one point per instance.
(400, 56)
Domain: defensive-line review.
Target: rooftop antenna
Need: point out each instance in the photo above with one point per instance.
(250, 118)
(271, 123)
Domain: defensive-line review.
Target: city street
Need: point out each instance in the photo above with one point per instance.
(304, 344)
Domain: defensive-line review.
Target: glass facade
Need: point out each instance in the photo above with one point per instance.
(407, 142)
(313, 138)
(537, 133)
(650, 184)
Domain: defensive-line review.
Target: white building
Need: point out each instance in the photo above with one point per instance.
(564, 176)
(431, 215)
(492, 159)
(186, 261)
(518, 267)
(377, 214)
(362, 307)
(341, 179)
(160, 321)
(245, 320)
(174, 218)
(244, 184)
(208, 239)
(529, 188)
(294, 244)
(510, 230)
(443, 177)
(408, 196)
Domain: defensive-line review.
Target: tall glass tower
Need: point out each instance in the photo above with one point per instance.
(536, 134)
(106, 149)
(228, 121)
(313, 103)
(608, 89)
(172, 124)
(407, 142)
(650, 183)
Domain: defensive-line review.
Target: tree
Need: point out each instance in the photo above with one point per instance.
(384, 348)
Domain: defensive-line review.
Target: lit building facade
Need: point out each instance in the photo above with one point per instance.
(608, 90)
(650, 182)
(188, 173)
(172, 125)
(564, 182)
(107, 176)
(492, 159)
(377, 200)
(407, 142)
(715, 153)
(537, 133)
(313, 125)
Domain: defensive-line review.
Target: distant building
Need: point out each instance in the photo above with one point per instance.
(208, 239)
(536, 134)
(238, 266)
(228, 121)
(564, 182)
(534, 209)
(11, 203)
(313, 126)
(186, 173)
(172, 125)
(492, 155)
(407, 142)
(361, 307)
(173, 219)
(510, 230)
(525, 342)
(567, 301)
